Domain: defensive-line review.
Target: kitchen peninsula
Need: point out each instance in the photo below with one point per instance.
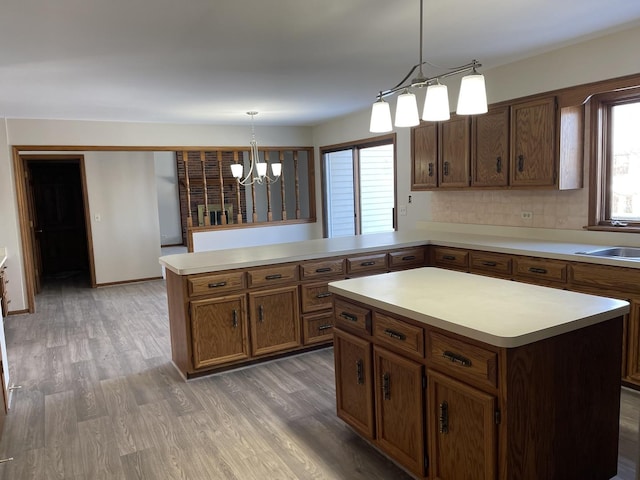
(490, 378)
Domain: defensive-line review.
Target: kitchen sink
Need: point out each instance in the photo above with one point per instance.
(631, 253)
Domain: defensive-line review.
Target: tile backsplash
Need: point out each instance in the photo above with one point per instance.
(551, 209)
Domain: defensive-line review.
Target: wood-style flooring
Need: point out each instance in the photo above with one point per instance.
(100, 399)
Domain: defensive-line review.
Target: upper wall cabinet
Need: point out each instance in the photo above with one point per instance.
(531, 144)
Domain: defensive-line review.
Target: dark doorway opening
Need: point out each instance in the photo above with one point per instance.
(60, 231)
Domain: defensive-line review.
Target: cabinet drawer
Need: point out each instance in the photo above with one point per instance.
(316, 296)
(323, 268)
(544, 271)
(407, 258)
(367, 263)
(462, 359)
(317, 328)
(273, 275)
(352, 317)
(215, 284)
(494, 264)
(398, 334)
(453, 258)
(614, 279)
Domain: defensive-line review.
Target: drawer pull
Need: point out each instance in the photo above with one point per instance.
(325, 327)
(323, 295)
(386, 386)
(359, 372)
(274, 276)
(444, 417)
(348, 316)
(455, 358)
(446, 169)
(235, 319)
(490, 264)
(430, 170)
(449, 257)
(218, 284)
(499, 165)
(408, 257)
(323, 270)
(261, 313)
(542, 271)
(367, 264)
(396, 335)
(521, 163)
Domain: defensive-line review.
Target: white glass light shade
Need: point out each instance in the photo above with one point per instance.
(276, 168)
(236, 170)
(261, 168)
(472, 99)
(380, 117)
(436, 103)
(407, 110)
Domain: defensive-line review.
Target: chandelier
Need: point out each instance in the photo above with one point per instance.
(472, 99)
(257, 168)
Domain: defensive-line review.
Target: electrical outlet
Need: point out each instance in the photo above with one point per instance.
(526, 215)
(402, 210)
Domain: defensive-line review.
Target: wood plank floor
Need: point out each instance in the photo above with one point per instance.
(100, 399)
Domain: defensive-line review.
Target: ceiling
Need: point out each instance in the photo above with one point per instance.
(297, 62)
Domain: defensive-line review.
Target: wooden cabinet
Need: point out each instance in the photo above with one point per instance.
(491, 264)
(399, 408)
(541, 271)
(633, 344)
(424, 155)
(454, 152)
(219, 329)
(462, 430)
(275, 321)
(533, 143)
(451, 258)
(317, 327)
(354, 382)
(367, 264)
(407, 258)
(490, 148)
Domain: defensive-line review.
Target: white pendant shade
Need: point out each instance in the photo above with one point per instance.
(236, 170)
(276, 169)
(407, 110)
(436, 103)
(473, 95)
(261, 168)
(380, 117)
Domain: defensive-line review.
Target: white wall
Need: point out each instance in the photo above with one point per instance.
(168, 198)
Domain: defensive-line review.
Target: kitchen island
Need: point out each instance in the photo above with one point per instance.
(456, 375)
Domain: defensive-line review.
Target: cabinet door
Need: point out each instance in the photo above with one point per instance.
(275, 321)
(533, 143)
(354, 386)
(219, 330)
(633, 343)
(454, 152)
(462, 431)
(424, 155)
(490, 151)
(399, 408)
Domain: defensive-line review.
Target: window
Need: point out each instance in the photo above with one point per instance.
(359, 187)
(615, 172)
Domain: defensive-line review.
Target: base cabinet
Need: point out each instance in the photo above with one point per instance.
(275, 320)
(461, 422)
(219, 329)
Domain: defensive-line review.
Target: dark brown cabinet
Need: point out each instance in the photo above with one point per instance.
(424, 153)
(454, 152)
(275, 321)
(490, 149)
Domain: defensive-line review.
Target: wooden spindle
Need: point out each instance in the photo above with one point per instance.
(238, 187)
(223, 212)
(269, 212)
(185, 159)
(207, 217)
(297, 179)
(253, 197)
(282, 193)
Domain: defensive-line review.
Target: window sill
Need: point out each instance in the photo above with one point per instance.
(608, 228)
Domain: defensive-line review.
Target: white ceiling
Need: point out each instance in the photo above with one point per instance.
(297, 62)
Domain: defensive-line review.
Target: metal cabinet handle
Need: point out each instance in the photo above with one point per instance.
(260, 313)
(323, 269)
(430, 170)
(359, 372)
(218, 284)
(448, 257)
(446, 169)
(325, 327)
(490, 264)
(347, 316)
(274, 276)
(499, 165)
(456, 358)
(396, 335)
(408, 257)
(386, 386)
(542, 271)
(367, 264)
(444, 417)
(521, 163)
(235, 318)
(323, 295)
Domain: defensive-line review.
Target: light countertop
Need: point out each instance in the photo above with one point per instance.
(498, 312)
(3, 256)
(218, 260)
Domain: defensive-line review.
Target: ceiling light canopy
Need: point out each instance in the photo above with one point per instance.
(472, 99)
(257, 166)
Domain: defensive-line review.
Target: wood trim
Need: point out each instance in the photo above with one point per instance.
(123, 282)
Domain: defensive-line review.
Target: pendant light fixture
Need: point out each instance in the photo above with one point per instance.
(260, 168)
(472, 99)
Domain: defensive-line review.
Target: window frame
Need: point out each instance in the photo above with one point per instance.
(600, 107)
